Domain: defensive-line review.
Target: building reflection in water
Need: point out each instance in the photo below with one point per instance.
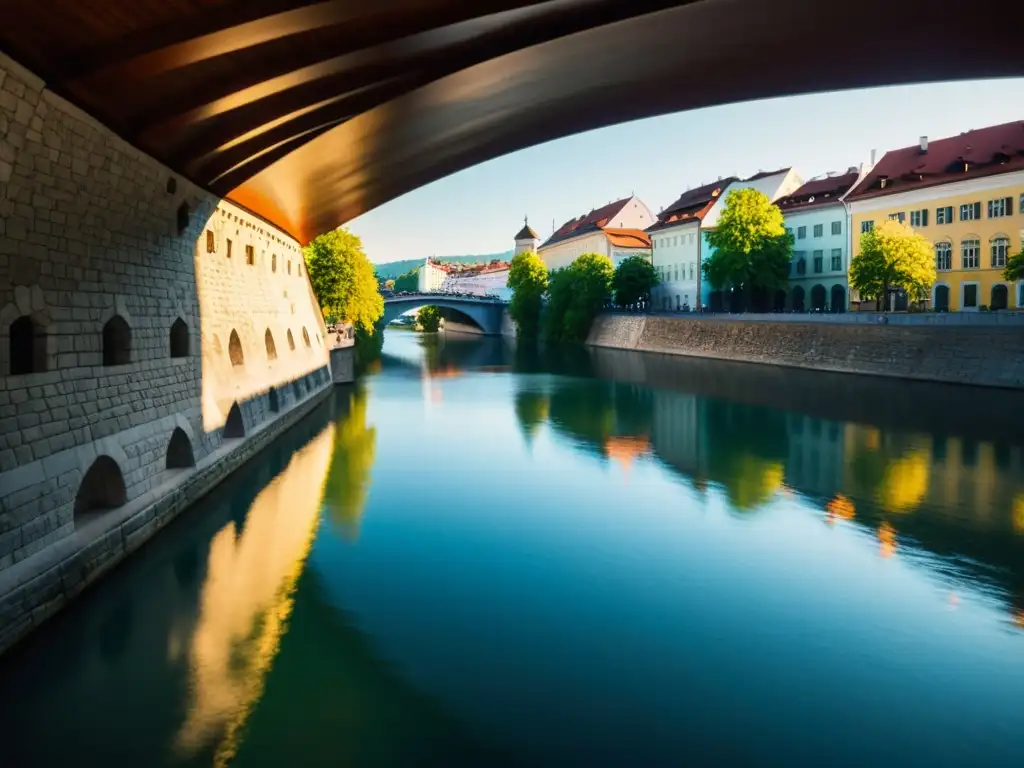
(247, 597)
(956, 497)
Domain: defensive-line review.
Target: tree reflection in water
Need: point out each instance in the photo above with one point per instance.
(353, 453)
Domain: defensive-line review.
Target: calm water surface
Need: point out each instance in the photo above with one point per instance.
(481, 557)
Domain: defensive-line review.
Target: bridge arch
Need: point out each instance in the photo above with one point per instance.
(484, 313)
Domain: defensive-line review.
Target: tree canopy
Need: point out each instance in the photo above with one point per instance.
(429, 319)
(1015, 267)
(343, 279)
(576, 295)
(752, 249)
(893, 255)
(408, 282)
(633, 280)
(528, 281)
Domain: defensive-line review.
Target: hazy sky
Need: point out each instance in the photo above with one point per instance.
(480, 209)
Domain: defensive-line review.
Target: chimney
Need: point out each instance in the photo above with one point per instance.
(873, 153)
(924, 145)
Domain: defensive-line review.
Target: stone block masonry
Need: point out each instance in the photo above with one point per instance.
(145, 325)
(951, 351)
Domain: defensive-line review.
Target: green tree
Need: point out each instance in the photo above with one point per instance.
(893, 255)
(528, 281)
(633, 280)
(1015, 267)
(409, 282)
(752, 249)
(576, 295)
(343, 279)
(429, 319)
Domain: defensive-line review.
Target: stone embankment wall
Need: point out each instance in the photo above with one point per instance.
(954, 350)
(135, 361)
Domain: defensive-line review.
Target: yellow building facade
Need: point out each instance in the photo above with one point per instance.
(976, 225)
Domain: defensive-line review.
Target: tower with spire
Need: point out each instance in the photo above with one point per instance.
(527, 240)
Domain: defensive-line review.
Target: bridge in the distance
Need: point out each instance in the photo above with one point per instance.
(482, 311)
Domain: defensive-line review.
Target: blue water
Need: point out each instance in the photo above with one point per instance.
(483, 557)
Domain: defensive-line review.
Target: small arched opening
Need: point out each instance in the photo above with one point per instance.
(27, 346)
(268, 339)
(1000, 297)
(273, 400)
(102, 489)
(117, 342)
(942, 298)
(235, 350)
(291, 340)
(179, 451)
(818, 297)
(179, 339)
(297, 390)
(305, 338)
(798, 299)
(234, 427)
(838, 298)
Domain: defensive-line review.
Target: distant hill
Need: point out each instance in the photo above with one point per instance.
(393, 269)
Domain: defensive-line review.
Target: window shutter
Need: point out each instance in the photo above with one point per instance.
(1009, 205)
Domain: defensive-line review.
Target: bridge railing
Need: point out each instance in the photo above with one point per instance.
(475, 297)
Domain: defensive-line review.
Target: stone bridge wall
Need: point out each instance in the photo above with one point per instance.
(90, 229)
(962, 353)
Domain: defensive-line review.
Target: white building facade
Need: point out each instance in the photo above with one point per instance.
(615, 230)
(432, 276)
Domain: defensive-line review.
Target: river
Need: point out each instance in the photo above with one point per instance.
(567, 557)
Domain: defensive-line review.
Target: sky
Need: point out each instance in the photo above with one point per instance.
(479, 210)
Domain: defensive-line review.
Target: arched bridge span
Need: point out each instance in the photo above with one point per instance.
(311, 112)
(486, 313)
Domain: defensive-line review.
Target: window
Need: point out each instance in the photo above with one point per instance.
(837, 227)
(944, 215)
(27, 347)
(919, 218)
(819, 230)
(943, 256)
(300, 269)
(970, 251)
(289, 266)
(901, 217)
(970, 295)
(675, 240)
(273, 263)
(677, 271)
(801, 233)
(1001, 207)
(250, 255)
(801, 262)
(818, 262)
(866, 226)
(291, 341)
(179, 339)
(970, 211)
(1022, 202)
(229, 248)
(837, 259)
(789, 230)
(1000, 248)
(692, 270)
(117, 342)
(268, 340)
(305, 337)
(235, 350)
(211, 242)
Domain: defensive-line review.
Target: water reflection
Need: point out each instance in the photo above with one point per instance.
(353, 453)
(949, 491)
(247, 597)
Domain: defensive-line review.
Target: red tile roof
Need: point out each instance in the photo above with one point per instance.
(691, 205)
(592, 222)
(766, 174)
(628, 238)
(817, 192)
(982, 152)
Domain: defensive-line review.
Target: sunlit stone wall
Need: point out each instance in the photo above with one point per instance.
(121, 269)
